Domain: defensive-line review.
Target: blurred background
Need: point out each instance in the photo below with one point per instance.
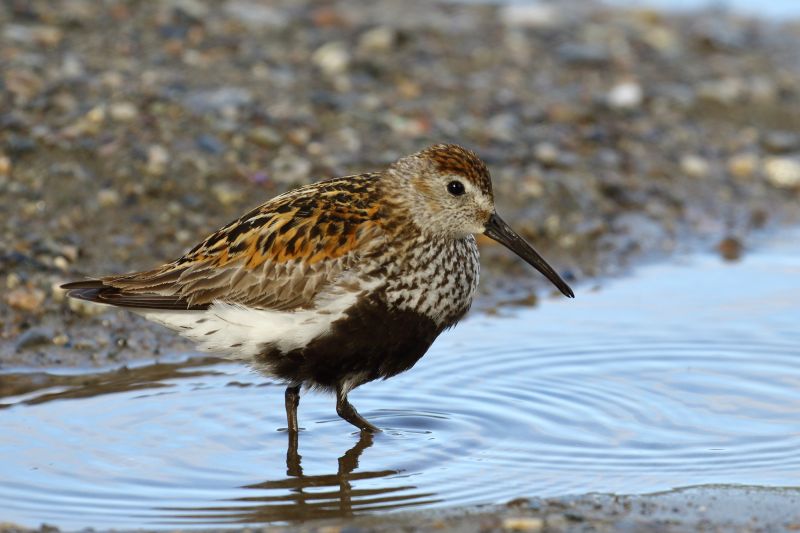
(626, 130)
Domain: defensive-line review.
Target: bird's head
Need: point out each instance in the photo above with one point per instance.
(447, 192)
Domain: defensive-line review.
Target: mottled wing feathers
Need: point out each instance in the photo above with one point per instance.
(98, 291)
(277, 256)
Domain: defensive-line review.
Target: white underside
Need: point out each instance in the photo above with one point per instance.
(239, 332)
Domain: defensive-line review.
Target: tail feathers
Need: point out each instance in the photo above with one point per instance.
(99, 291)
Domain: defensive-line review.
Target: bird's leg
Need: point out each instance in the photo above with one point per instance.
(292, 397)
(349, 413)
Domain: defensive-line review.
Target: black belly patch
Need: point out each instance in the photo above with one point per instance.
(370, 341)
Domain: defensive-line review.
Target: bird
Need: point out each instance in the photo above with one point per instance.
(333, 284)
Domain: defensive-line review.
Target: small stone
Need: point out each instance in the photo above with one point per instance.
(5, 165)
(583, 54)
(332, 58)
(523, 523)
(377, 40)
(26, 298)
(781, 142)
(290, 168)
(725, 91)
(546, 153)
(13, 281)
(266, 137)
(730, 248)
(36, 34)
(108, 198)
(783, 172)
(219, 100)
(60, 340)
(123, 111)
(556, 522)
(61, 263)
(209, 144)
(530, 15)
(157, 159)
(72, 66)
(35, 336)
(626, 95)
(226, 195)
(255, 15)
(502, 126)
(743, 165)
(82, 307)
(694, 166)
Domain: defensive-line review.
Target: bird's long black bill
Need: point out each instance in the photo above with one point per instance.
(502, 233)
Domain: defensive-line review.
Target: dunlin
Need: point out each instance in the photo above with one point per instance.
(337, 283)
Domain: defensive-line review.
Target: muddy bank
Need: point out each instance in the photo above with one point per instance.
(703, 508)
(129, 131)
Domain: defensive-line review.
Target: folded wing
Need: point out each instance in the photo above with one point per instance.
(278, 256)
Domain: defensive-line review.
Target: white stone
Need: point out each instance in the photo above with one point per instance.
(694, 166)
(332, 58)
(625, 95)
(783, 172)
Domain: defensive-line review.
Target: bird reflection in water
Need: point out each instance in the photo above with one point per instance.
(302, 497)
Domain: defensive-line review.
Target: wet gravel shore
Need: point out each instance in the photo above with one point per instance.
(128, 131)
(709, 508)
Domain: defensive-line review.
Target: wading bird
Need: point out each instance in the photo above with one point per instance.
(334, 284)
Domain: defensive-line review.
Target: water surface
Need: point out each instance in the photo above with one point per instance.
(686, 373)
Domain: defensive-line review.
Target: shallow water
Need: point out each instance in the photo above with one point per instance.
(779, 10)
(686, 373)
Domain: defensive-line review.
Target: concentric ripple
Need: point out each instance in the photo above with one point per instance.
(686, 374)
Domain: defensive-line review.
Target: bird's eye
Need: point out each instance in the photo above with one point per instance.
(456, 188)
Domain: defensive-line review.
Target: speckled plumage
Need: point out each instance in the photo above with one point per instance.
(333, 284)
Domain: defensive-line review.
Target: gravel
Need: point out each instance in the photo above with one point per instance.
(128, 131)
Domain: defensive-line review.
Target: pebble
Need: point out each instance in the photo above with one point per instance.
(783, 172)
(226, 194)
(377, 40)
(157, 159)
(525, 523)
(35, 336)
(108, 197)
(781, 142)
(264, 136)
(332, 58)
(61, 340)
(695, 166)
(13, 281)
(218, 100)
(583, 54)
(743, 165)
(123, 111)
(546, 153)
(34, 34)
(531, 15)
(725, 91)
(5, 165)
(730, 248)
(82, 307)
(626, 95)
(209, 144)
(61, 263)
(256, 15)
(290, 168)
(26, 298)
